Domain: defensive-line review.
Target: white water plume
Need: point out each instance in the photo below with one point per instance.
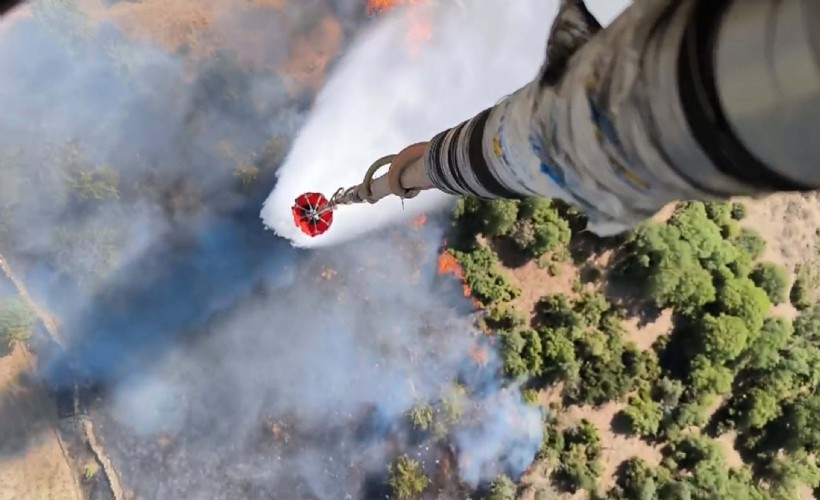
(389, 92)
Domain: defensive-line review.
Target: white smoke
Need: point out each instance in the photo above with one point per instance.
(388, 93)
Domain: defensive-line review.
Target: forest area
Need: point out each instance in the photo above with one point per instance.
(728, 365)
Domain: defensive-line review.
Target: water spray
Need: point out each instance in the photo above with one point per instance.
(313, 213)
(675, 100)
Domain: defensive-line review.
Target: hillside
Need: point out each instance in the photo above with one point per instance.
(645, 348)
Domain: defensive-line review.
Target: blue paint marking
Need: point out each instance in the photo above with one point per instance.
(605, 125)
(554, 173)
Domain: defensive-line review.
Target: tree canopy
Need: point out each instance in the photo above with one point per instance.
(407, 479)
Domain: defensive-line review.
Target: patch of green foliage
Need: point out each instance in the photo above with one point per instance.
(694, 468)
(94, 184)
(772, 279)
(482, 275)
(422, 417)
(407, 479)
(750, 242)
(580, 457)
(540, 228)
(739, 211)
(17, 321)
(502, 488)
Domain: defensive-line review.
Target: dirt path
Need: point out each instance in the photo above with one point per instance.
(88, 427)
(105, 462)
(48, 320)
(34, 463)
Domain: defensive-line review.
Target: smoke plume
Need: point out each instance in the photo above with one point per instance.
(136, 148)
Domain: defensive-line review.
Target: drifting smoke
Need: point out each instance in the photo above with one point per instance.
(231, 364)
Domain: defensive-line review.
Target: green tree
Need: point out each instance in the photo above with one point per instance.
(750, 242)
(800, 294)
(804, 422)
(17, 321)
(644, 416)
(787, 473)
(743, 299)
(807, 324)
(505, 317)
(708, 377)
(547, 230)
(483, 276)
(559, 354)
(422, 417)
(764, 406)
(502, 488)
(718, 211)
(407, 479)
(637, 481)
(521, 353)
(94, 184)
(580, 464)
(552, 445)
(667, 392)
(764, 351)
(498, 217)
(772, 279)
(723, 338)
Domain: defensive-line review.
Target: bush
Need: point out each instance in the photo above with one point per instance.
(17, 321)
(799, 295)
(581, 458)
(807, 324)
(502, 488)
(407, 479)
(772, 279)
(743, 299)
(521, 353)
(637, 480)
(559, 355)
(497, 217)
(94, 184)
(750, 242)
(722, 338)
(483, 277)
(505, 317)
(422, 417)
(718, 211)
(644, 416)
(739, 211)
(540, 228)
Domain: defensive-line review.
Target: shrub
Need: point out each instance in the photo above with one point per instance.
(799, 295)
(772, 279)
(407, 479)
(750, 242)
(644, 416)
(17, 321)
(502, 488)
(739, 211)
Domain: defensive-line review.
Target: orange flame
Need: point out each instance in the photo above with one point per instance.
(447, 264)
(419, 221)
(480, 355)
(378, 6)
(420, 29)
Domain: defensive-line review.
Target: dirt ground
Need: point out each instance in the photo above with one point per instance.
(32, 463)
